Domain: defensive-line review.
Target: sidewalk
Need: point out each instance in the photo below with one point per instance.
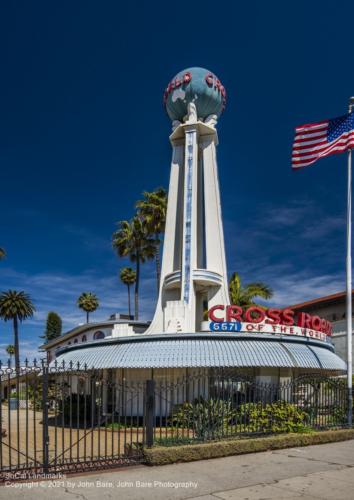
(314, 472)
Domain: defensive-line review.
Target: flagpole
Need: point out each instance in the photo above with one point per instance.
(349, 281)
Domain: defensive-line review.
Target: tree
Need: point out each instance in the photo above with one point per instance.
(88, 302)
(53, 327)
(10, 349)
(2, 253)
(153, 208)
(133, 240)
(244, 296)
(128, 277)
(16, 306)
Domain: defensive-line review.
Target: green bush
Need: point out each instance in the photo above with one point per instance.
(174, 441)
(208, 418)
(279, 416)
(338, 415)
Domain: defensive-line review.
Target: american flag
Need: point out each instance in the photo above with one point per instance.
(316, 140)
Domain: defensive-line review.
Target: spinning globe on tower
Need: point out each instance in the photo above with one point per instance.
(198, 86)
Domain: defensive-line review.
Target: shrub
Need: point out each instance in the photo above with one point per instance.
(279, 416)
(208, 418)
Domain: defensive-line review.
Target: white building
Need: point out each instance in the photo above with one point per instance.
(194, 277)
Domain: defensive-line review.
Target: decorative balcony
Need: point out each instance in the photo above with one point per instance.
(202, 277)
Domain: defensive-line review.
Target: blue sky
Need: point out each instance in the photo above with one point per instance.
(83, 133)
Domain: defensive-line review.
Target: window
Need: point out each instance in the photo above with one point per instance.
(84, 338)
(69, 343)
(98, 335)
(75, 341)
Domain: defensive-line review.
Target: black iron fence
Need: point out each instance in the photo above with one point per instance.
(69, 418)
(219, 406)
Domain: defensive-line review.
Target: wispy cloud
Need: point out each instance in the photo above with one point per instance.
(295, 248)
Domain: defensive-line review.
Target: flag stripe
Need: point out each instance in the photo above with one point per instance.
(329, 148)
(312, 125)
(304, 162)
(322, 145)
(306, 136)
(305, 144)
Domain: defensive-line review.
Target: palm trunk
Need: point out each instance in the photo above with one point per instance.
(157, 261)
(136, 297)
(87, 316)
(17, 348)
(129, 308)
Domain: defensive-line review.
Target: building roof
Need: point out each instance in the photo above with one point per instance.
(88, 326)
(200, 350)
(327, 299)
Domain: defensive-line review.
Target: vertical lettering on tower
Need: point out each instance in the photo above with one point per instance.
(190, 139)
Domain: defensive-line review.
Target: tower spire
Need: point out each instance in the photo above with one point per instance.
(193, 274)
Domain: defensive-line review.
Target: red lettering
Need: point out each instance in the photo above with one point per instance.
(212, 316)
(251, 312)
(330, 329)
(273, 316)
(187, 77)
(209, 78)
(324, 325)
(233, 313)
(304, 320)
(287, 317)
(316, 323)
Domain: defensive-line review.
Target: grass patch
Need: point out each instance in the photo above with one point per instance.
(169, 454)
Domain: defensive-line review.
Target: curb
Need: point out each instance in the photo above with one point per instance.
(189, 453)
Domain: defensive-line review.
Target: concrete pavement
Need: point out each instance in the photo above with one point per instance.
(314, 472)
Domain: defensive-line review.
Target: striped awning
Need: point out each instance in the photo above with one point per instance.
(198, 350)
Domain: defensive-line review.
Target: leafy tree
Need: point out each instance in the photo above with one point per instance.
(16, 306)
(53, 327)
(10, 349)
(128, 277)
(134, 241)
(88, 302)
(244, 296)
(153, 208)
(2, 253)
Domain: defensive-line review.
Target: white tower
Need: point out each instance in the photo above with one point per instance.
(193, 272)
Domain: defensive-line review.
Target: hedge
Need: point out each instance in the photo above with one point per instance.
(189, 453)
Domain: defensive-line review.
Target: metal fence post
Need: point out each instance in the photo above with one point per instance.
(45, 375)
(149, 412)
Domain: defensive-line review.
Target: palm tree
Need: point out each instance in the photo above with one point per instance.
(133, 240)
(16, 306)
(88, 302)
(128, 277)
(10, 349)
(153, 209)
(2, 253)
(244, 296)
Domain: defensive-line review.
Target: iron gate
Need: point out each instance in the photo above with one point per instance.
(56, 419)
